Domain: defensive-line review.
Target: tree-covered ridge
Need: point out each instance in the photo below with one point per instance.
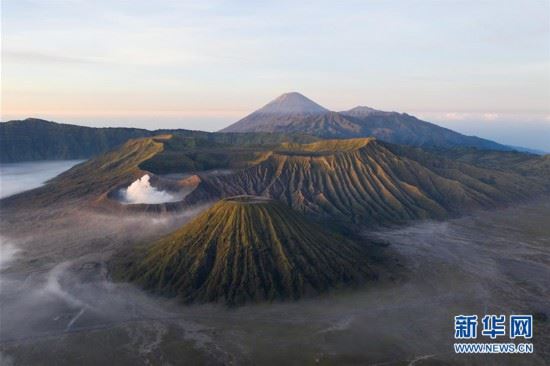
(36, 139)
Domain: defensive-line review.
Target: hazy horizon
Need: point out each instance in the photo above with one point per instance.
(508, 130)
(478, 68)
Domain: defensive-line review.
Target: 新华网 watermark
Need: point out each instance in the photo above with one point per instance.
(468, 327)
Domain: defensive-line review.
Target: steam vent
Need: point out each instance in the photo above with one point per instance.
(244, 249)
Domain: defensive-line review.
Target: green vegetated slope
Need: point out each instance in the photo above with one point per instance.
(159, 154)
(355, 180)
(525, 164)
(183, 154)
(35, 139)
(246, 249)
(254, 139)
(91, 179)
(366, 181)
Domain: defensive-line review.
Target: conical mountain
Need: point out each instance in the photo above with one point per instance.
(248, 248)
(293, 113)
(292, 103)
(279, 112)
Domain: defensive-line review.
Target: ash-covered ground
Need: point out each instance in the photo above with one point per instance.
(58, 306)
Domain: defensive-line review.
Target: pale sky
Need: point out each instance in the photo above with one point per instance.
(478, 67)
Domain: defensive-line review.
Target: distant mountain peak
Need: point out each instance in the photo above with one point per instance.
(281, 111)
(292, 103)
(360, 111)
(295, 113)
(362, 108)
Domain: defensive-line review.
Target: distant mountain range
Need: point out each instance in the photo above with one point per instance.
(293, 112)
(290, 117)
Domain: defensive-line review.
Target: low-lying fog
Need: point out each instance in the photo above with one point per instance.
(19, 177)
(57, 304)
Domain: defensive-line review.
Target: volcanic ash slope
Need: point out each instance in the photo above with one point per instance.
(247, 249)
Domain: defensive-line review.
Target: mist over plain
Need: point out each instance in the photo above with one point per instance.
(57, 299)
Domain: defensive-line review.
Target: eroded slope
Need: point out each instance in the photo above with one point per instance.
(247, 249)
(362, 180)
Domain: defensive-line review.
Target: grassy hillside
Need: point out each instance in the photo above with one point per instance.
(158, 154)
(184, 154)
(35, 139)
(522, 163)
(356, 180)
(246, 249)
(89, 180)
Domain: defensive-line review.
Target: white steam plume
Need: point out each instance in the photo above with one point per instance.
(8, 253)
(141, 191)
